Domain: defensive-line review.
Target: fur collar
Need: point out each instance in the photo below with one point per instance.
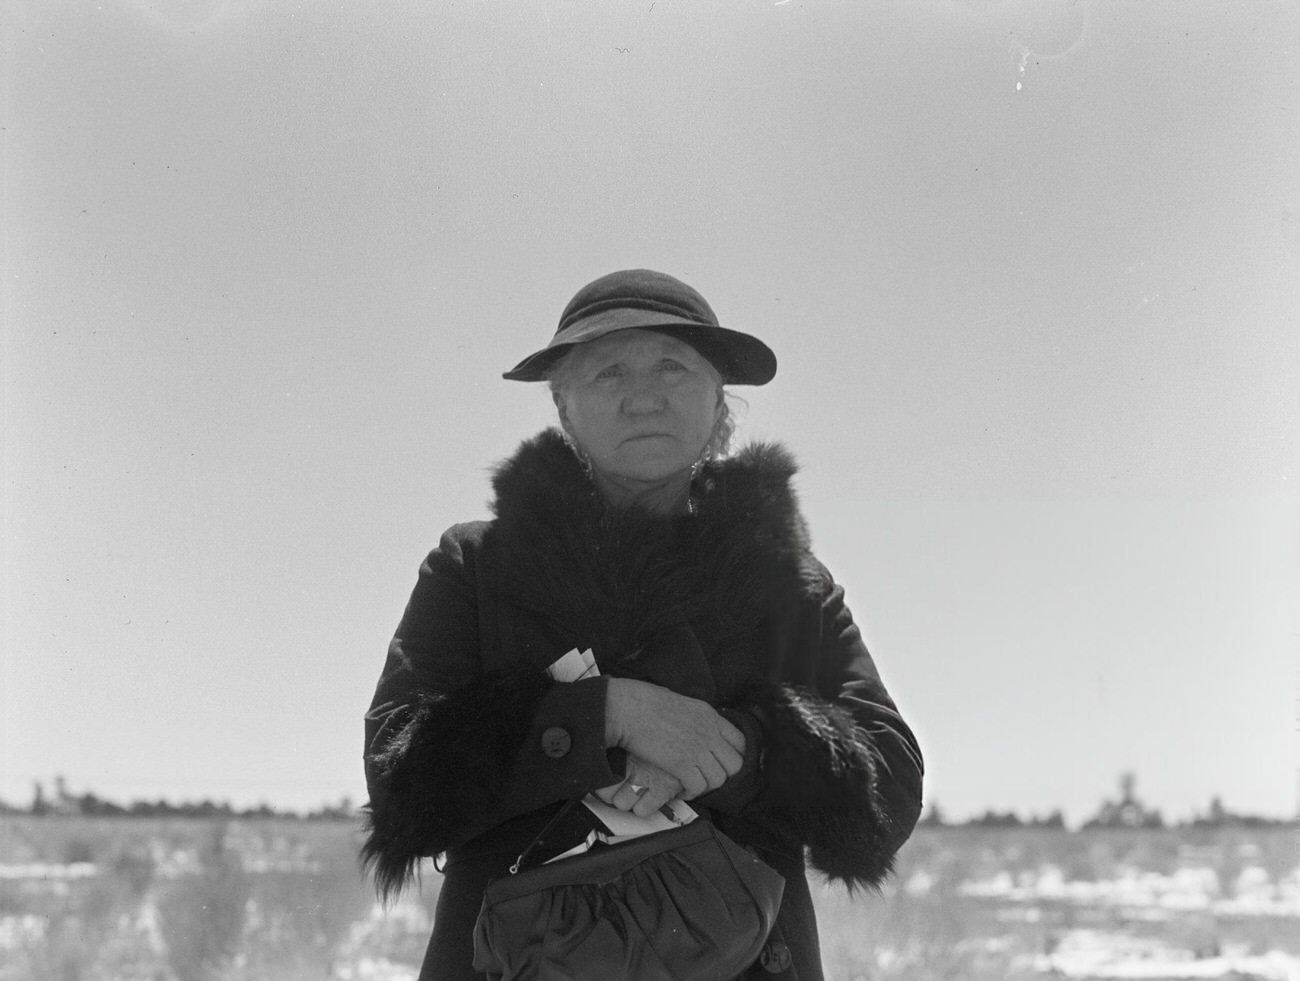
(625, 577)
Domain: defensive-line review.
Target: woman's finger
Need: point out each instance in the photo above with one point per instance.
(627, 795)
(643, 782)
(654, 798)
(729, 759)
(713, 772)
(693, 783)
(734, 736)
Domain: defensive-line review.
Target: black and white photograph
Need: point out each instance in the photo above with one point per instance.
(507, 490)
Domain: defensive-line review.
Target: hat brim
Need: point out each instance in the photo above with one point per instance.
(740, 359)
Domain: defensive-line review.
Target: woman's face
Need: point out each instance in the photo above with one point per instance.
(641, 405)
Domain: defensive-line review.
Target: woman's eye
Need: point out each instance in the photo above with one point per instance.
(612, 371)
(668, 364)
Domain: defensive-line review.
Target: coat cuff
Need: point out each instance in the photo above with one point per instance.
(461, 763)
(563, 755)
(439, 769)
(822, 777)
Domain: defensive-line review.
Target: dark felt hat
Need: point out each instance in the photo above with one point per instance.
(648, 300)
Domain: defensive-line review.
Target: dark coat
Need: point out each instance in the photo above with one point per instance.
(728, 605)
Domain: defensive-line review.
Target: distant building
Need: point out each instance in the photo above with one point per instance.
(63, 803)
(1127, 812)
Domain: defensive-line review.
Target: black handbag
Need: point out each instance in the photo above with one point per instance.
(686, 904)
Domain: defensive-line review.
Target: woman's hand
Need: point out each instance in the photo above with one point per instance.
(644, 790)
(685, 738)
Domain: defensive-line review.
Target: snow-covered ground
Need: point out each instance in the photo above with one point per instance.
(1187, 889)
(1139, 896)
(969, 905)
(1101, 954)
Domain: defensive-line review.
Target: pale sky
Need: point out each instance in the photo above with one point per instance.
(1031, 269)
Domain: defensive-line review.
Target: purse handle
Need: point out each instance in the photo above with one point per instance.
(540, 838)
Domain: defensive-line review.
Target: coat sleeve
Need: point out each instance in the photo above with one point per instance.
(452, 749)
(840, 769)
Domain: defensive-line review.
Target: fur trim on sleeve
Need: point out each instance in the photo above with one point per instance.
(820, 771)
(440, 776)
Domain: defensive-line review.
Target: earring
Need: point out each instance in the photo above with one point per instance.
(699, 464)
(584, 461)
(707, 453)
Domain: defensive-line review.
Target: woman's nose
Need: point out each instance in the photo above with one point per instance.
(644, 395)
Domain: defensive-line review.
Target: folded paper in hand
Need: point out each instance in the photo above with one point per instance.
(614, 825)
(574, 666)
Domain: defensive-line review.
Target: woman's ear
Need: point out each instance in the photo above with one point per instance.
(558, 399)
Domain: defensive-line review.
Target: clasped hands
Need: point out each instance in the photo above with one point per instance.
(677, 746)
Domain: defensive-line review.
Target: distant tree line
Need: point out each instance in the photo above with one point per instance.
(935, 818)
(1128, 811)
(62, 803)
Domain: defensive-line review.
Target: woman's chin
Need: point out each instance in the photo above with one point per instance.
(652, 471)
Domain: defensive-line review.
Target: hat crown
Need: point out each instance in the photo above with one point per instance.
(642, 299)
(638, 289)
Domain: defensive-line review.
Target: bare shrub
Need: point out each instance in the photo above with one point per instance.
(78, 849)
(134, 867)
(202, 914)
(303, 909)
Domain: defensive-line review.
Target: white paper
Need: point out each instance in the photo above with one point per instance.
(625, 824)
(574, 666)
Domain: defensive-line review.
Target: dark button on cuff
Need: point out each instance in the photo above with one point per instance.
(556, 742)
(775, 957)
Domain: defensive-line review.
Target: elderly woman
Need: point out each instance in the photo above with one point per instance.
(731, 672)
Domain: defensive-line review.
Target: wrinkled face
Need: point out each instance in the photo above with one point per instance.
(641, 405)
